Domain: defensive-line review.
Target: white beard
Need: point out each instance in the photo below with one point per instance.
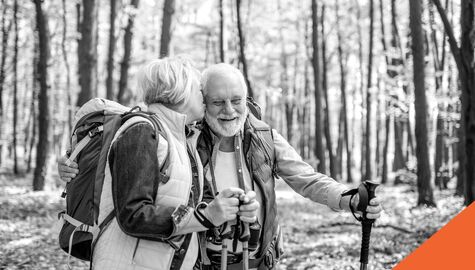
(223, 128)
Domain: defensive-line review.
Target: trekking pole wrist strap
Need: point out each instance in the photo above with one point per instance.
(352, 193)
(201, 217)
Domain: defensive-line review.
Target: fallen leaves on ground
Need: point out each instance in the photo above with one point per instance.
(315, 237)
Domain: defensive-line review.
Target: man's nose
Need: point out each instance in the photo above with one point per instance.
(228, 107)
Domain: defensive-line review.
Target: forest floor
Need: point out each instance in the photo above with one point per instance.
(315, 237)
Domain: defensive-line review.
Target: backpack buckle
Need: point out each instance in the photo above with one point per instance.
(61, 213)
(95, 131)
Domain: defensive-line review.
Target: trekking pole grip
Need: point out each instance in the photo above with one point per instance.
(366, 192)
(371, 187)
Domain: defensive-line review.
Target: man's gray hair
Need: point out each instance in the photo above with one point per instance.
(168, 80)
(222, 69)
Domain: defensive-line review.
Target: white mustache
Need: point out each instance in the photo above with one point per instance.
(227, 117)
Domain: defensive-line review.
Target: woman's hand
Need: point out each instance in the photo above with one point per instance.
(67, 173)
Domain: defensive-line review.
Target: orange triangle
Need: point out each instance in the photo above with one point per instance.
(452, 247)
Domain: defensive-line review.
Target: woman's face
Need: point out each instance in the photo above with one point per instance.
(195, 107)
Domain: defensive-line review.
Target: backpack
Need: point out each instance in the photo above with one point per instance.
(254, 108)
(96, 123)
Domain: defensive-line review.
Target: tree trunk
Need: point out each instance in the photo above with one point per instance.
(331, 154)
(377, 155)
(78, 38)
(27, 131)
(344, 111)
(396, 62)
(68, 70)
(42, 149)
(242, 55)
(15, 87)
(208, 48)
(368, 158)
(34, 96)
(464, 59)
(166, 36)
(410, 149)
(284, 82)
(438, 57)
(398, 162)
(422, 151)
(468, 96)
(439, 161)
(319, 150)
(124, 65)
(303, 115)
(5, 34)
(384, 176)
(361, 80)
(111, 51)
(387, 122)
(87, 52)
(222, 55)
(339, 146)
(306, 112)
(96, 38)
(439, 145)
(460, 188)
(291, 111)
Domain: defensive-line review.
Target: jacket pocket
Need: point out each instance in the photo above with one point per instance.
(275, 250)
(152, 255)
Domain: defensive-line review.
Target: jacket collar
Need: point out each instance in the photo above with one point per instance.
(174, 120)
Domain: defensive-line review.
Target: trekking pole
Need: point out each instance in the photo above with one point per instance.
(226, 234)
(366, 193)
(242, 228)
(244, 238)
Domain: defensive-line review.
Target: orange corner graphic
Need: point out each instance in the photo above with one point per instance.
(452, 247)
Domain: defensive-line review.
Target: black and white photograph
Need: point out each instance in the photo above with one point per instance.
(235, 134)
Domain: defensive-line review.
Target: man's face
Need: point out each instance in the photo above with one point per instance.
(225, 101)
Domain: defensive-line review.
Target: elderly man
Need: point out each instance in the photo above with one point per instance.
(238, 150)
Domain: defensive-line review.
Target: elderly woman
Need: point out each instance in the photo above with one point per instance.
(155, 223)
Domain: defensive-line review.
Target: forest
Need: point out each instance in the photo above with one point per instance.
(379, 90)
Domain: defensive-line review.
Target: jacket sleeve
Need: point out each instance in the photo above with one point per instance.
(134, 168)
(302, 178)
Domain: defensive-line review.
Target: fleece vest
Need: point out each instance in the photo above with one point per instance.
(259, 152)
(117, 250)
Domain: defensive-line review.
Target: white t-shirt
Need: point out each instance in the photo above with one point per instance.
(225, 173)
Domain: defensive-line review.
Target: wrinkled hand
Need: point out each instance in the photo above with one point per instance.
(248, 209)
(67, 173)
(373, 211)
(224, 207)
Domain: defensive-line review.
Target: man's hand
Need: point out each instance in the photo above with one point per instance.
(224, 207)
(248, 209)
(67, 173)
(373, 211)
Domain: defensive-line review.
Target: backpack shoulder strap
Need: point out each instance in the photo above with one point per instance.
(265, 134)
(254, 108)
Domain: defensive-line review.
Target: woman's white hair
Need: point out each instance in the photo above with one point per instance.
(221, 69)
(168, 80)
